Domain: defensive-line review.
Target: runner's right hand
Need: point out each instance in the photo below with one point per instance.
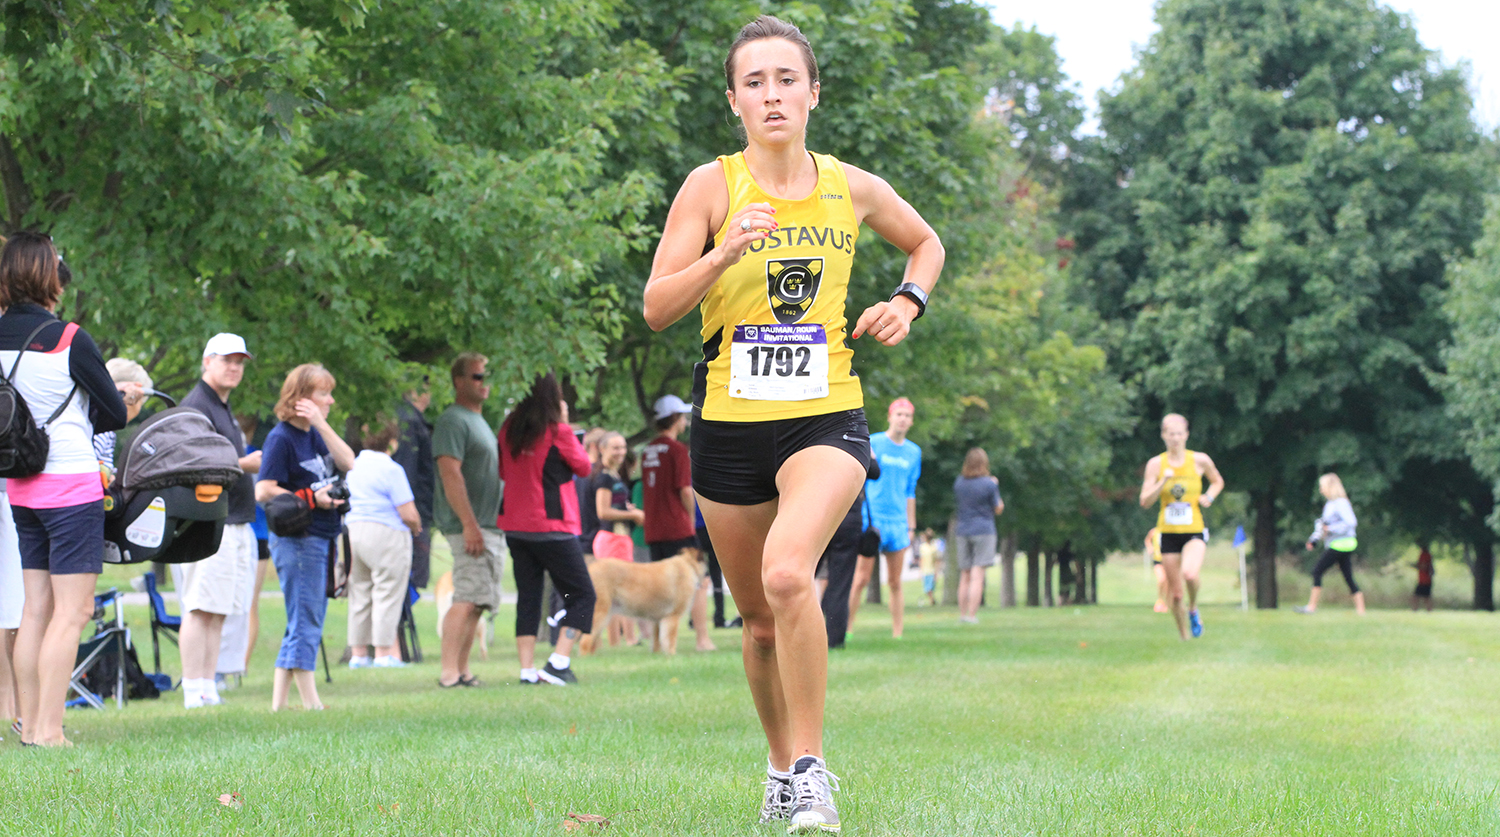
(737, 240)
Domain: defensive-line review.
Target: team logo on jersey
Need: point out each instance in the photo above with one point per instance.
(791, 287)
(1178, 489)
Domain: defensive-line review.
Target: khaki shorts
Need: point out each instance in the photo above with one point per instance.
(476, 578)
(217, 584)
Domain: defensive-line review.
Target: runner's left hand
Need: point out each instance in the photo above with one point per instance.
(887, 322)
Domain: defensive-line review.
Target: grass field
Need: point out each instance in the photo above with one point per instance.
(1060, 721)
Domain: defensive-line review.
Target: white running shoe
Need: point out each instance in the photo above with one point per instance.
(812, 798)
(360, 662)
(389, 662)
(778, 801)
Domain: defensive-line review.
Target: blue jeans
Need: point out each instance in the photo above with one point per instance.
(302, 567)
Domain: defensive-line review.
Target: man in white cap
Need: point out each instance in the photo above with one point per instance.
(668, 500)
(221, 585)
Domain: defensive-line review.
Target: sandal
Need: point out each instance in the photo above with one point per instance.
(455, 684)
(468, 680)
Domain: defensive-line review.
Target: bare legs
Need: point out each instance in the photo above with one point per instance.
(459, 628)
(1171, 563)
(10, 699)
(260, 584)
(307, 688)
(526, 646)
(700, 615)
(1192, 565)
(894, 564)
(199, 641)
(57, 608)
(768, 563)
(970, 583)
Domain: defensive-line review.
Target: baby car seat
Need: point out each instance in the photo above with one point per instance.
(168, 502)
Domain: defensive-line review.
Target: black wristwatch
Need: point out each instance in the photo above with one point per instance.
(913, 292)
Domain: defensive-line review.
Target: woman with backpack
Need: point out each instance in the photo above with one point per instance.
(55, 490)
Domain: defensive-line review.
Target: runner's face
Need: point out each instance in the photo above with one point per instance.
(773, 90)
(901, 419)
(1175, 435)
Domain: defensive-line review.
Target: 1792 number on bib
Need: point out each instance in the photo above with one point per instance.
(779, 362)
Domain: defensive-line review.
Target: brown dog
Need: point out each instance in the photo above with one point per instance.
(660, 591)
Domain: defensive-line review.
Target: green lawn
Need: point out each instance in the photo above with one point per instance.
(1065, 721)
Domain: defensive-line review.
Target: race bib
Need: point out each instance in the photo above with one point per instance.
(1179, 514)
(779, 362)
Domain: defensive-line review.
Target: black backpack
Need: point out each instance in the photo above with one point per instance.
(23, 445)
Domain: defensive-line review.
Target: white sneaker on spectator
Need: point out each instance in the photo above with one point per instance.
(387, 662)
(360, 662)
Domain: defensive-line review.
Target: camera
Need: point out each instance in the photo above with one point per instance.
(338, 490)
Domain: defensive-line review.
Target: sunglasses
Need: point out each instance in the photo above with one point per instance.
(480, 376)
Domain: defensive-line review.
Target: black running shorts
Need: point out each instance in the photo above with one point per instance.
(735, 462)
(1172, 542)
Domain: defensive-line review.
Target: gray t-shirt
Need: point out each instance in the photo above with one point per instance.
(464, 435)
(977, 498)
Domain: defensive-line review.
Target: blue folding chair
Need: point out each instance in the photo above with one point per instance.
(110, 641)
(161, 621)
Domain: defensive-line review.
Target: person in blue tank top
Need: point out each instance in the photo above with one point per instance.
(893, 508)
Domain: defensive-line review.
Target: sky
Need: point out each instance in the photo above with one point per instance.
(1097, 40)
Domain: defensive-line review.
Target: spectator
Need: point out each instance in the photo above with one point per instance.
(382, 519)
(465, 509)
(669, 502)
(977, 497)
(927, 553)
(1423, 593)
(1337, 528)
(414, 455)
(12, 600)
(609, 499)
(303, 456)
(221, 585)
(248, 426)
(133, 384)
(59, 513)
(538, 457)
(588, 514)
(892, 509)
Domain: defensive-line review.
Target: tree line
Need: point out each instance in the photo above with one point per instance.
(1277, 229)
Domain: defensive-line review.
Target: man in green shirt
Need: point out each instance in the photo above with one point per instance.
(465, 508)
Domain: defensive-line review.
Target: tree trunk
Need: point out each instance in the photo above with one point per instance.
(1008, 571)
(1049, 562)
(950, 565)
(1484, 575)
(1033, 575)
(1265, 547)
(1094, 580)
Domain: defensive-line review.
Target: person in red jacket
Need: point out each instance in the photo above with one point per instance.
(539, 456)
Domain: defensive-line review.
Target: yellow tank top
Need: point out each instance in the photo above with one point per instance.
(1179, 496)
(774, 325)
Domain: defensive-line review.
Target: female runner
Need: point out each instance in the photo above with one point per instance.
(779, 439)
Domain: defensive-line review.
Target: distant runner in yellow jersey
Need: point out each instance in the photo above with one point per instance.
(779, 443)
(1175, 481)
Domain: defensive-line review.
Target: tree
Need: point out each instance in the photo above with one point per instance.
(1472, 387)
(1266, 224)
(375, 187)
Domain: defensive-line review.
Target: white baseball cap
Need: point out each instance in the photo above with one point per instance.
(670, 405)
(225, 343)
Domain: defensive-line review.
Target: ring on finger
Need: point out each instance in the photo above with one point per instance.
(745, 225)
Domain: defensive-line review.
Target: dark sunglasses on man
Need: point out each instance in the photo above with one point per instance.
(481, 377)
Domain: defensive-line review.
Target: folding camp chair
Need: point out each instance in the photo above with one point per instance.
(406, 628)
(162, 622)
(110, 640)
